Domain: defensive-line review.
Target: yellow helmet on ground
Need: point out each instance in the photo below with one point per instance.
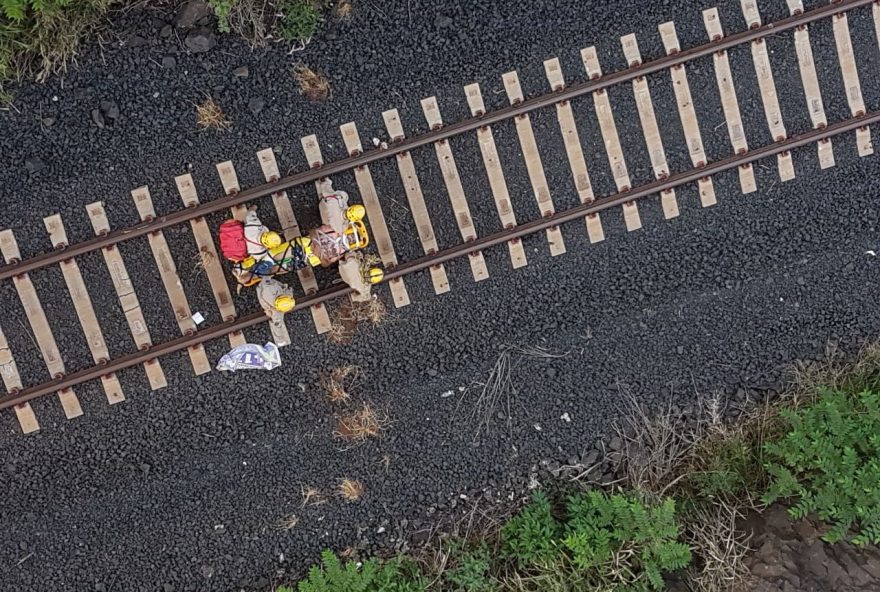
(285, 303)
(270, 239)
(375, 275)
(355, 213)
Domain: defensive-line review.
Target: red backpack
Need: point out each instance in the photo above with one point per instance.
(233, 245)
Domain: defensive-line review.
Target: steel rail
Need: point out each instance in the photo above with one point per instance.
(444, 133)
(461, 250)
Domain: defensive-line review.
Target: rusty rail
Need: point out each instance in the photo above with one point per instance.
(444, 133)
(445, 255)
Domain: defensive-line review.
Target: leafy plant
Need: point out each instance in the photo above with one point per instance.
(397, 575)
(300, 20)
(624, 542)
(829, 463)
(731, 467)
(41, 36)
(221, 9)
(530, 537)
(471, 572)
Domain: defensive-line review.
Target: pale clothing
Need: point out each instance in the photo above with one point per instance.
(253, 230)
(350, 272)
(332, 205)
(267, 291)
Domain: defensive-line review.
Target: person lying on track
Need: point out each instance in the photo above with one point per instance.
(275, 299)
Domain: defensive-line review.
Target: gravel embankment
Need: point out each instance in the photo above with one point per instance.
(185, 488)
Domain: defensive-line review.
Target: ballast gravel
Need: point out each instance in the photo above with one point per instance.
(200, 486)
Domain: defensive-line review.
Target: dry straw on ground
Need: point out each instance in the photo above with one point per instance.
(312, 83)
(339, 382)
(351, 314)
(311, 496)
(362, 424)
(288, 522)
(343, 9)
(350, 489)
(209, 115)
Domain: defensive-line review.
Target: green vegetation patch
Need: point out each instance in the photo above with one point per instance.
(40, 37)
(828, 462)
(294, 20)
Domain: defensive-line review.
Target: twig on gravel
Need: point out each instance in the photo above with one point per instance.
(498, 384)
(376, 8)
(26, 332)
(288, 523)
(25, 558)
(311, 496)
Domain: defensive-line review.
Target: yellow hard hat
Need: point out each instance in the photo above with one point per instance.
(375, 275)
(355, 213)
(306, 244)
(270, 239)
(285, 303)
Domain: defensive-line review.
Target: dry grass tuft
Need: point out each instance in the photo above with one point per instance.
(312, 83)
(288, 523)
(338, 332)
(348, 553)
(713, 534)
(372, 311)
(203, 259)
(362, 424)
(339, 382)
(343, 9)
(856, 376)
(209, 115)
(253, 20)
(655, 448)
(350, 489)
(311, 496)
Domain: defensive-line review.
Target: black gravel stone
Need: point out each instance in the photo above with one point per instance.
(200, 40)
(256, 105)
(191, 13)
(34, 165)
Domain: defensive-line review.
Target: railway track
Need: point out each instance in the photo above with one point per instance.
(674, 63)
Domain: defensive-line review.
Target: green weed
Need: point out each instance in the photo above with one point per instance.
(530, 538)
(828, 462)
(222, 9)
(40, 37)
(397, 575)
(730, 466)
(471, 572)
(626, 543)
(300, 20)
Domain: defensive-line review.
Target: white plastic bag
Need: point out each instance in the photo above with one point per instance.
(251, 356)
